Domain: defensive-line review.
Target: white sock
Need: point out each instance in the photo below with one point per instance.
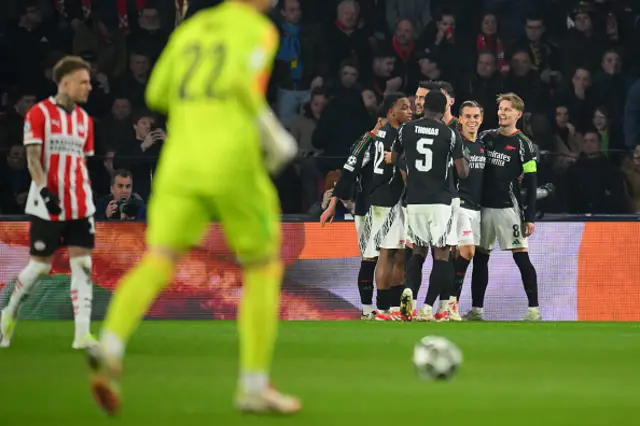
(367, 309)
(27, 278)
(443, 306)
(81, 294)
(478, 310)
(534, 309)
(253, 382)
(112, 345)
(414, 304)
(453, 299)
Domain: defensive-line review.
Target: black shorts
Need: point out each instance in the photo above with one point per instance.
(47, 236)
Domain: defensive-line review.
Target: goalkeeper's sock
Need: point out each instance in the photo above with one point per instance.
(134, 295)
(479, 279)
(81, 294)
(27, 279)
(365, 282)
(258, 323)
(529, 277)
(460, 265)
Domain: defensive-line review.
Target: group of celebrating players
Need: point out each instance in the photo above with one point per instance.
(430, 180)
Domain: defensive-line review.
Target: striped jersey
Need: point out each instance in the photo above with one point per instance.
(66, 140)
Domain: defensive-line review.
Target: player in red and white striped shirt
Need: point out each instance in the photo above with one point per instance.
(58, 136)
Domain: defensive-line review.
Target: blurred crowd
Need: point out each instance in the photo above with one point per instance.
(576, 65)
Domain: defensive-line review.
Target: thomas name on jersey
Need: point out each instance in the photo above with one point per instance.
(429, 131)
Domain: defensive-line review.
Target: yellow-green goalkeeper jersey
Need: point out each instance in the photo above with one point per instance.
(210, 80)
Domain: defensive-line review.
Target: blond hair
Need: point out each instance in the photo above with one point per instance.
(516, 101)
(69, 65)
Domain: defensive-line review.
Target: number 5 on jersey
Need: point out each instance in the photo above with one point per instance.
(423, 147)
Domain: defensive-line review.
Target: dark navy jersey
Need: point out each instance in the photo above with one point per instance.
(357, 173)
(508, 157)
(387, 183)
(470, 189)
(453, 174)
(429, 147)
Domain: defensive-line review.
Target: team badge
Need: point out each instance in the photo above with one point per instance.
(352, 160)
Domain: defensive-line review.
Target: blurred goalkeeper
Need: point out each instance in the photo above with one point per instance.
(210, 80)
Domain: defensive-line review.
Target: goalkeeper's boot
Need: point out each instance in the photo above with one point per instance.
(382, 316)
(406, 305)
(426, 314)
(84, 342)
(454, 312)
(267, 401)
(105, 379)
(533, 314)
(7, 326)
(395, 314)
(475, 314)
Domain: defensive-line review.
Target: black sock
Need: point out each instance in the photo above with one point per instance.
(529, 277)
(479, 279)
(365, 281)
(408, 252)
(382, 300)
(413, 276)
(460, 265)
(395, 294)
(448, 289)
(441, 275)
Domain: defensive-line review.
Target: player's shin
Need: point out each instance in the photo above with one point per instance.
(413, 275)
(258, 322)
(27, 279)
(479, 282)
(134, 295)
(81, 296)
(460, 265)
(365, 284)
(529, 277)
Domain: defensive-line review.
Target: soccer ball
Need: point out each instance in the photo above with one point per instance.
(436, 358)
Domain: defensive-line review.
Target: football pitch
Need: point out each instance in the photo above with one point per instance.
(347, 373)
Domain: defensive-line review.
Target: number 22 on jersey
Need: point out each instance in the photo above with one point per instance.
(211, 59)
(425, 163)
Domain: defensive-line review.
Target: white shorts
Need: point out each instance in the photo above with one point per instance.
(369, 227)
(391, 235)
(429, 224)
(468, 227)
(452, 237)
(505, 225)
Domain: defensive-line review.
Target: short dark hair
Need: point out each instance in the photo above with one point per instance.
(349, 63)
(534, 17)
(68, 65)
(389, 102)
(139, 115)
(430, 85)
(595, 132)
(444, 12)
(447, 87)
(318, 91)
(471, 104)
(435, 101)
(123, 173)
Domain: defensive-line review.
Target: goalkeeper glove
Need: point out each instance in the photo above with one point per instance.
(279, 146)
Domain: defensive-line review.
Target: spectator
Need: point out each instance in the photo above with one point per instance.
(577, 97)
(148, 37)
(611, 86)
(488, 39)
(583, 44)
(595, 184)
(115, 129)
(543, 52)
(568, 141)
(12, 122)
(526, 82)
(344, 207)
(140, 154)
(382, 80)
(44, 85)
(345, 39)
(348, 77)
(419, 11)
(632, 117)
(343, 120)
(99, 100)
(426, 70)
(299, 63)
(303, 125)
(631, 172)
(108, 45)
(134, 81)
(403, 45)
(611, 139)
(16, 181)
(484, 86)
(370, 101)
(122, 203)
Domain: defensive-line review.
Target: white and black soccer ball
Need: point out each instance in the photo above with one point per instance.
(436, 358)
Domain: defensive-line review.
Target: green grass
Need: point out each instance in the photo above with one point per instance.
(347, 373)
